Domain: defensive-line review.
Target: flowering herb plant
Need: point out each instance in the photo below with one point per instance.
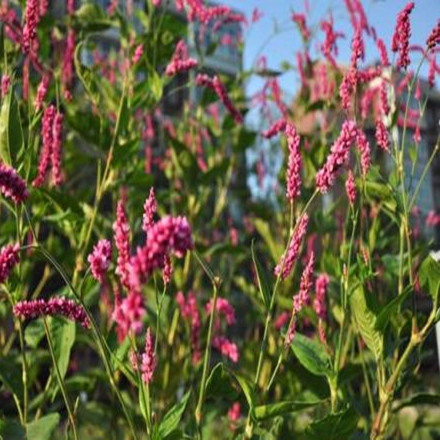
(146, 293)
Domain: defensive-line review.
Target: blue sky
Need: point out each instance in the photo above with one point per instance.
(381, 14)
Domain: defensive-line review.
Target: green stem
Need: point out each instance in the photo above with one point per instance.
(207, 357)
(60, 379)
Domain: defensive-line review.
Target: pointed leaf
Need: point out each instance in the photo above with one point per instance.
(311, 355)
(262, 282)
(263, 412)
(219, 383)
(429, 275)
(11, 133)
(171, 420)
(42, 429)
(389, 310)
(334, 426)
(366, 322)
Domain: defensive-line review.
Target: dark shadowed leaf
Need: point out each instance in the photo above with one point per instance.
(334, 426)
(429, 275)
(263, 412)
(171, 420)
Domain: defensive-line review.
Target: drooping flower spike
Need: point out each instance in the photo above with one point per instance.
(54, 306)
(9, 258)
(100, 259)
(12, 185)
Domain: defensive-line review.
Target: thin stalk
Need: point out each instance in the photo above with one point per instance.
(60, 379)
(207, 357)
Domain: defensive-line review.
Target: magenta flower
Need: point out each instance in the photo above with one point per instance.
(350, 188)
(138, 52)
(226, 348)
(383, 93)
(402, 32)
(168, 236)
(234, 412)
(150, 208)
(32, 17)
(57, 137)
(321, 286)
(303, 296)
(189, 311)
(274, 129)
(128, 314)
(167, 271)
(180, 61)
(148, 364)
(42, 92)
(67, 68)
(338, 156)
(364, 148)
(382, 52)
(382, 138)
(46, 150)
(54, 306)
(293, 177)
(286, 261)
(100, 259)
(434, 37)
(9, 258)
(223, 308)
(6, 82)
(12, 185)
(290, 334)
(300, 20)
(217, 86)
(121, 230)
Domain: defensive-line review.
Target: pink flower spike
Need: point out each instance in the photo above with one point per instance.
(293, 177)
(32, 17)
(57, 137)
(434, 37)
(226, 348)
(338, 156)
(350, 187)
(364, 148)
(148, 359)
(223, 308)
(402, 32)
(6, 82)
(286, 261)
(274, 129)
(321, 287)
(139, 51)
(46, 150)
(121, 230)
(150, 208)
(12, 185)
(100, 259)
(9, 258)
(382, 137)
(128, 314)
(54, 306)
(41, 92)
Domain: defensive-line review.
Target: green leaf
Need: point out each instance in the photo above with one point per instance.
(264, 412)
(334, 426)
(171, 420)
(34, 333)
(86, 76)
(155, 85)
(366, 322)
(418, 399)
(264, 230)
(11, 430)
(62, 332)
(429, 275)
(262, 282)
(42, 429)
(91, 18)
(219, 383)
(10, 376)
(247, 389)
(311, 355)
(389, 310)
(11, 134)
